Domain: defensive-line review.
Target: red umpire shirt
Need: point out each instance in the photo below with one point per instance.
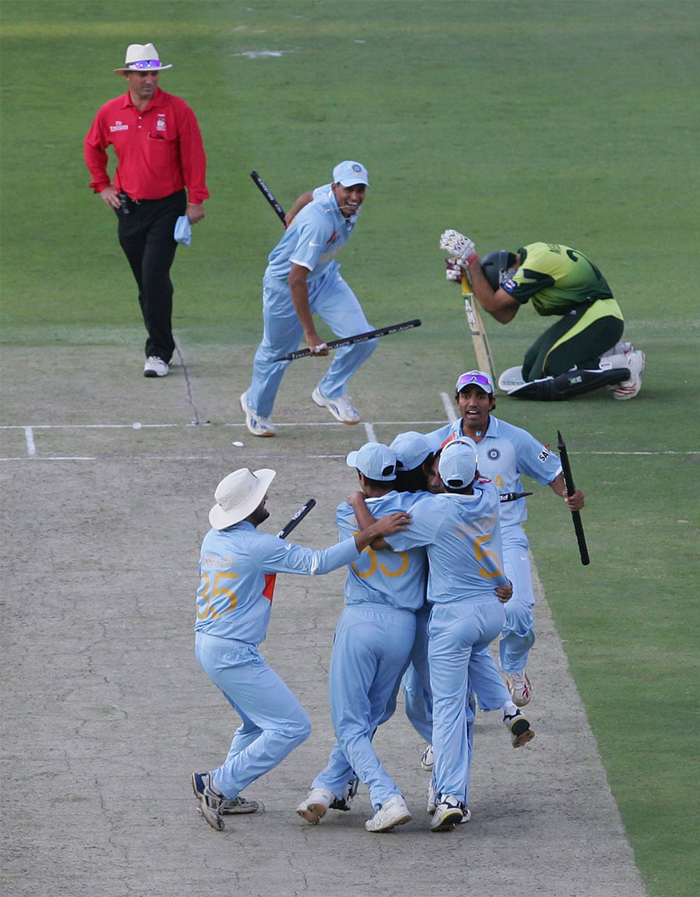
(159, 150)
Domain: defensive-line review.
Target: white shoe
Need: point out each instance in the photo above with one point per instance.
(258, 426)
(428, 758)
(155, 367)
(520, 688)
(391, 813)
(209, 799)
(449, 812)
(628, 389)
(341, 408)
(237, 806)
(316, 805)
(519, 727)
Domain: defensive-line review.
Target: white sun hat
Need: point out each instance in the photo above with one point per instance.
(238, 495)
(142, 58)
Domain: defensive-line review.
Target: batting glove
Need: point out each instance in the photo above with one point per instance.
(454, 270)
(459, 245)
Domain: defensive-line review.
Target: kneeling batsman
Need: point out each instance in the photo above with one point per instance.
(582, 350)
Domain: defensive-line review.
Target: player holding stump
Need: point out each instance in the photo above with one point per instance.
(582, 350)
(237, 569)
(505, 452)
(302, 279)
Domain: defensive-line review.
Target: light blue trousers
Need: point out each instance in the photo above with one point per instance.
(455, 631)
(485, 681)
(274, 722)
(370, 652)
(518, 634)
(333, 301)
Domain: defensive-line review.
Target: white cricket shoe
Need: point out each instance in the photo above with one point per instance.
(239, 805)
(428, 759)
(341, 407)
(518, 726)
(520, 688)
(392, 812)
(209, 797)
(432, 805)
(316, 805)
(258, 426)
(449, 812)
(155, 367)
(636, 362)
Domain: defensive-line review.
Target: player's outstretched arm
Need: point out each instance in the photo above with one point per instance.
(384, 526)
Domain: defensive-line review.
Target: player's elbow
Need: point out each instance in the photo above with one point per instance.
(504, 315)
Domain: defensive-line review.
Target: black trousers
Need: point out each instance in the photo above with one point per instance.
(555, 353)
(146, 236)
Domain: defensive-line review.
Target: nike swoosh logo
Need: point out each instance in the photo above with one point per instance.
(314, 244)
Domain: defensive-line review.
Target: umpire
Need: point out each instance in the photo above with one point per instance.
(160, 177)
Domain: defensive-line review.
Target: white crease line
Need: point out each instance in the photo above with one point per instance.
(371, 435)
(29, 437)
(635, 453)
(449, 407)
(139, 457)
(35, 460)
(141, 426)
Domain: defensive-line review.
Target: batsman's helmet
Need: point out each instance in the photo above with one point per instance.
(496, 265)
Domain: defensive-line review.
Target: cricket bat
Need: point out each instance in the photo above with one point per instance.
(476, 325)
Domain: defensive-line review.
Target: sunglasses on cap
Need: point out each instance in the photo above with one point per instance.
(145, 64)
(482, 380)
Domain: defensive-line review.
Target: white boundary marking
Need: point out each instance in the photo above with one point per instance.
(30, 431)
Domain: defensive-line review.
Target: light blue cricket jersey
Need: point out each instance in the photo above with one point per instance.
(463, 539)
(237, 568)
(503, 454)
(314, 238)
(384, 577)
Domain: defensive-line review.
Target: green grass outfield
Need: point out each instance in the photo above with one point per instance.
(513, 122)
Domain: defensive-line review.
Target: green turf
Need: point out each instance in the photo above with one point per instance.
(510, 121)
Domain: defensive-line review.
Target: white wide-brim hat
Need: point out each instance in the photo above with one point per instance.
(142, 58)
(238, 495)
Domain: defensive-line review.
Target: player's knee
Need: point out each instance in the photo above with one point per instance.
(364, 350)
